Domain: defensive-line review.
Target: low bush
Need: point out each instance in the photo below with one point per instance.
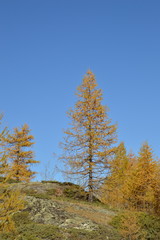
(103, 233)
(40, 232)
(75, 193)
(51, 191)
(49, 181)
(151, 225)
(21, 218)
(35, 194)
(137, 225)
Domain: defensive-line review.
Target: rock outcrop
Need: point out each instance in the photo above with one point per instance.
(52, 212)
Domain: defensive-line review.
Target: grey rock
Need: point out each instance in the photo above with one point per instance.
(50, 212)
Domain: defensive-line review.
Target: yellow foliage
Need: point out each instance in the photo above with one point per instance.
(113, 189)
(17, 148)
(133, 183)
(11, 201)
(89, 142)
(143, 180)
(130, 228)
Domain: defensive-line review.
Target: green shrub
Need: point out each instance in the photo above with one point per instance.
(40, 231)
(29, 192)
(149, 225)
(50, 181)
(70, 184)
(21, 218)
(42, 196)
(51, 191)
(75, 193)
(103, 233)
(34, 193)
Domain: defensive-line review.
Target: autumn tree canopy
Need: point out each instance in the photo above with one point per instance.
(144, 179)
(133, 182)
(89, 142)
(19, 153)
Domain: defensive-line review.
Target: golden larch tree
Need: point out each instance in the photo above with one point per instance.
(11, 200)
(133, 182)
(19, 152)
(113, 191)
(144, 179)
(89, 142)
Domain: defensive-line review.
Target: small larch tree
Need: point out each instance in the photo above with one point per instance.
(144, 179)
(11, 200)
(89, 142)
(141, 184)
(113, 191)
(21, 156)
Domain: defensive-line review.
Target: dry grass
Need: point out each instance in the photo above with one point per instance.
(95, 213)
(92, 214)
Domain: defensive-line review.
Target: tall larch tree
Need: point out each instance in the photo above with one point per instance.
(89, 142)
(19, 153)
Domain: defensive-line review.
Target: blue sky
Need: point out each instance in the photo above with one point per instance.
(46, 47)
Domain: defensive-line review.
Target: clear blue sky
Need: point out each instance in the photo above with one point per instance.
(47, 46)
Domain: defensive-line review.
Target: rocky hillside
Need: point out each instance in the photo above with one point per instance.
(60, 211)
(56, 210)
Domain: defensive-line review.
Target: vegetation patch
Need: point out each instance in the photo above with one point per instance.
(50, 232)
(34, 193)
(75, 193)
(137, 225)
(28, 230)
(91, 214)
